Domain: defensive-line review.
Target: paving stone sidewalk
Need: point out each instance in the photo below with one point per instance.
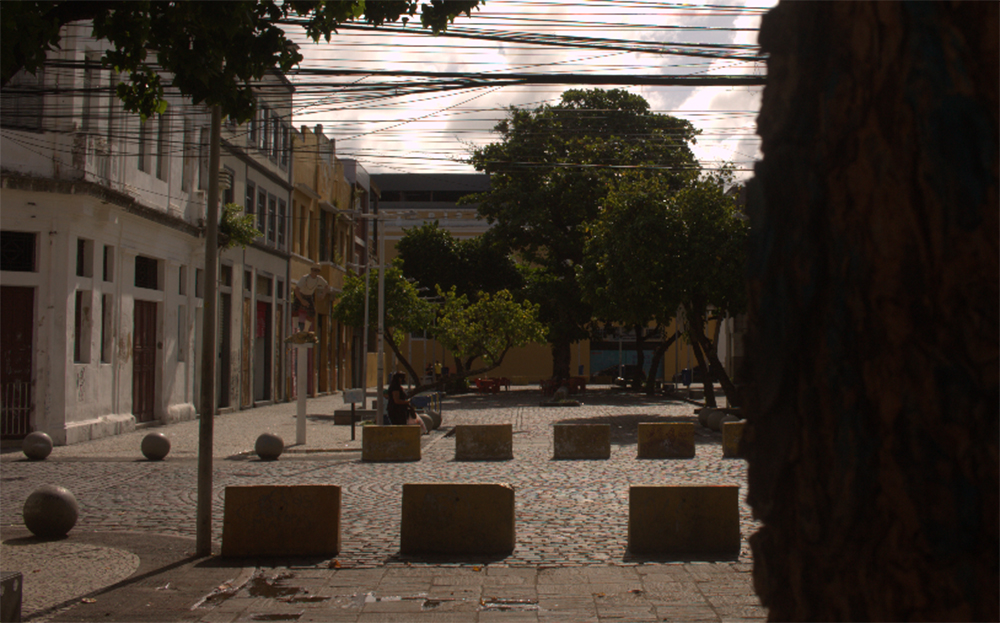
(572, 515)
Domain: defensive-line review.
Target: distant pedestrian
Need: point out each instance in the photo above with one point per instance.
(437, 370)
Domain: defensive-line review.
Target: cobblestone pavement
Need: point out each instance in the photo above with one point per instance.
(568, 512)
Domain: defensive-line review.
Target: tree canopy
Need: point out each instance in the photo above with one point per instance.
(215, 51)
(655, 249)
(434, 258)
(549, 173)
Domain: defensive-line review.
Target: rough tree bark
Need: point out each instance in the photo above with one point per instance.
(874, 284)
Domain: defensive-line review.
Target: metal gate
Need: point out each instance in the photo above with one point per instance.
(16, 337)
(144, 362)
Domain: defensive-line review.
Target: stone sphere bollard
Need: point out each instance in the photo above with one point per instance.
(50, 512)
(269, 447)
(37, 446)
(155, 446)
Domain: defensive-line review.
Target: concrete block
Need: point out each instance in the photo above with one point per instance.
(281, 520)
(666, 440)
(484, 442)
(732, 433)
(687, 519)
(457, 519)
(342, 417)
(385, 444)
(581, 441)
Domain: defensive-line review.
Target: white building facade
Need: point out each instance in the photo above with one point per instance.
(102, 250)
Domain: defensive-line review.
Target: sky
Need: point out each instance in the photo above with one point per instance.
(415, 125)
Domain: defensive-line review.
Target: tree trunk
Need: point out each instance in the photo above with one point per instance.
(707, 384)
(560, 360)
(640, 353)
(654, 366)
(710, 348)
(872, 436)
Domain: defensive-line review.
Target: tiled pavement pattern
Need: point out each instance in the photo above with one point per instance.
(570, 514)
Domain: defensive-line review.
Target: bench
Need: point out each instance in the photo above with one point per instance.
(684, 519)
(457, 519)
(281, 520)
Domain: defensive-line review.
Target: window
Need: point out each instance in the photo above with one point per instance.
(147, 273)
(262, 211)
(275, 146)
(203, 159)
(199, 283)
(263, 285)
(281, 223)
(247, 280)
(265, 135)
(279, 290)
(17, 251)
(181, 331)
(229, 194)
(272, 217)
(226, 275)
(108, 264)
(252, 129)
(91, 88)
(251, 195)
(324, 237)
(143, 150)
(188, 163)
(182, 274)
(84, 257)
(81, 327)
(285, 147)
(106, 335)
(162, 130)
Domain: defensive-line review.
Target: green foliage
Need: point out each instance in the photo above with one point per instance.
(404, 309)
(655, 248)
(549, 175)
(215, 51)
(434, 258)
(487, 328)
(236, 227)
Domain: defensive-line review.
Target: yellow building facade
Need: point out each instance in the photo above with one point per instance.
(321, 233)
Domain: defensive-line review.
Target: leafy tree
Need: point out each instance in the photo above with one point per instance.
(215, 51)
(656, 249)
(548, 175)
(404, 310)
(628, 273)
(435, 258)
(485, 329)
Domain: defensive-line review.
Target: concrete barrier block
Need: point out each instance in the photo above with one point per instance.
(484, 442)
(666, 440)
(385, 444)
(581, 441)
(732, 433)
(281, 520)
(457, 519)
(688, 519)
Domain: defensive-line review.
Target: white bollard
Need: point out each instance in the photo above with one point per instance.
(302, 383)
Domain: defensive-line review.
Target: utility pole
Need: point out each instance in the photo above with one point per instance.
(209, 348)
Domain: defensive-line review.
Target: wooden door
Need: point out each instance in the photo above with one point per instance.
(246, 379)
(144, 362)
(16, 337)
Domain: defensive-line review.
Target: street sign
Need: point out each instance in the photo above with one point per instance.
(354, 395)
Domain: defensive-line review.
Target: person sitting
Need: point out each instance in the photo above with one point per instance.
(399, 410)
